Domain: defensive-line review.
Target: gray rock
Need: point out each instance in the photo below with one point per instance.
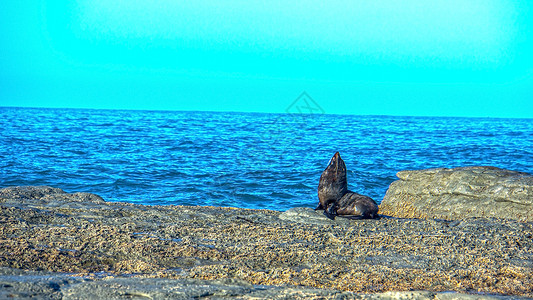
(45, 192)
(460, 193)
(35, 285)
(308, 215)
(49, 196)
(156, 288)
(21, 284)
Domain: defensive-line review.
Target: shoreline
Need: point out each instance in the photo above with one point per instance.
(47, 230)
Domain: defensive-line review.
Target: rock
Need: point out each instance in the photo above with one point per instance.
(156, 288)
(56, 246)
(47, 195)
(308, 215)
(35, 285)
(460, 193)
(21, 284)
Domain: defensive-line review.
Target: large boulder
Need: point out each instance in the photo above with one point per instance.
(460, 193)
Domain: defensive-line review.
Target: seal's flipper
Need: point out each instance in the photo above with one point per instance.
(331, 212)
(319, 207)
(330, 216)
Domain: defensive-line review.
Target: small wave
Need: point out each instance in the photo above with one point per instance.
(281, 195)
(104, 125)
(186, 142)
(299, 185)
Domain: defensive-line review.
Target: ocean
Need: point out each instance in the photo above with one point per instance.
(247, 160)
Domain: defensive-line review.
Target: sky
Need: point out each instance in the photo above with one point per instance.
(381, 57)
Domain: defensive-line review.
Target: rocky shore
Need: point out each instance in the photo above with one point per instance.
(77, 246)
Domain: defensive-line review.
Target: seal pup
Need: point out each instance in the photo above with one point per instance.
(333, 184)
(354, 206)
(335, 198)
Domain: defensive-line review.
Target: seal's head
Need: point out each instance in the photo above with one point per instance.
(333, 184)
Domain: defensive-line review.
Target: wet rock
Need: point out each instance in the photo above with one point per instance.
(460, 193)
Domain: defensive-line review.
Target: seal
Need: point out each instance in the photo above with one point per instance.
(333, 184)
(335, 198)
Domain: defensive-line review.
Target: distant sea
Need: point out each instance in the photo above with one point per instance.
(248, 160)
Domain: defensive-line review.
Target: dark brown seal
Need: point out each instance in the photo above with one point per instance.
(335, 198)
(332, 185)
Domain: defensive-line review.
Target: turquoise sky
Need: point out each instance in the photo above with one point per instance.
(434, 58)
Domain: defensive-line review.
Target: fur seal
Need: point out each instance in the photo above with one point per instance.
(335, 198)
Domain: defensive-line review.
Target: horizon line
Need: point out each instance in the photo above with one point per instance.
(262, 112)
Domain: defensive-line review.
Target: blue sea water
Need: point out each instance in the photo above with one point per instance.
(248, 160)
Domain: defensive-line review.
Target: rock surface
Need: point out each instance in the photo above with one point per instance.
(460, 193)
(39, 285)
(60, 286)
(307, 215)
(68, 245)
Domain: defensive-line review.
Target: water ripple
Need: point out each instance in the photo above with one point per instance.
(240, 159)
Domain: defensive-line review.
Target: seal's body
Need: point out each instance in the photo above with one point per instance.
(332, 185)
(354, 206)
(335, 198)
